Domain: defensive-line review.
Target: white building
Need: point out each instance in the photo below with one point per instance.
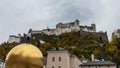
(2, 64)
(61, 58)
(86, 28)
(14, 39)
(116, 34)
(69, 27)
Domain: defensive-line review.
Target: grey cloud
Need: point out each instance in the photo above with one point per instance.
(17, 16)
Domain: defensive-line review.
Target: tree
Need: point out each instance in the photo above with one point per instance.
(113, 50)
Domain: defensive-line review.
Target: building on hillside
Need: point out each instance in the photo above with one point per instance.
(62, 28)
(49, 31)
(116, 34)
(33, 36)
(61, 58)
(37, 35)
(2, 64)
(98, 64)
(14, 39)
(69, 27)
(86, 28)
(101, 35)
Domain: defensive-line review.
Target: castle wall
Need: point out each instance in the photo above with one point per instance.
(69, 27)
(65, 28)
(14, 39)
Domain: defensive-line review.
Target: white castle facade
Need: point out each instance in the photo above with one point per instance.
(60, 28)
(63, 28)
(69, 27)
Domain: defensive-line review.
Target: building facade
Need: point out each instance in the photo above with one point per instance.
(37, 35)
(69, 27)
(102, 35)
(86, 28)
(61, 58)
(14, 39)
(116, 34)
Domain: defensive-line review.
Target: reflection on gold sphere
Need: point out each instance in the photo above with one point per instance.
(24, 56)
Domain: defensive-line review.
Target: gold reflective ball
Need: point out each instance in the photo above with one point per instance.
(24, 56)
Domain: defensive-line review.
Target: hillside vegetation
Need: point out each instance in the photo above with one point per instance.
(81, 47)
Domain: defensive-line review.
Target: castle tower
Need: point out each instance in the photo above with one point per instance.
(59, 25)
(94, 27)
(58, 29)
(76, 22)
(76, 25)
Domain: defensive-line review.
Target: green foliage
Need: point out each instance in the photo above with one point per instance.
(80, 46)
(113, 50)
(73, 42)
(4, 49)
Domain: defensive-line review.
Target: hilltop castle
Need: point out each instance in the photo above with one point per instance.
(65, 28)
(37, 35)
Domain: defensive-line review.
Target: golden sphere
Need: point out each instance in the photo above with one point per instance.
(24, 56)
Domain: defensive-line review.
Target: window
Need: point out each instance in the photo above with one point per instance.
(33, 37)
(89, 66)
(59, 59)
(53, 59)
(59, 66)
(52, 66)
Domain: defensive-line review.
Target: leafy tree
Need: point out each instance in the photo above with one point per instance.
(113, 50)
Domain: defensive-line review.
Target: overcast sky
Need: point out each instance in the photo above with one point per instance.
(18, 16)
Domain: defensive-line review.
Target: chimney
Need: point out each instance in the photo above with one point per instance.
(92, 57)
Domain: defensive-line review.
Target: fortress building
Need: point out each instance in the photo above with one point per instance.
(14, 39)
(63, 28)
(69, 27)
(37, 35)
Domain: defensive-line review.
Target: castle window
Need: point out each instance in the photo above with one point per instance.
(33, 37)
(53, 59)
(59, 59)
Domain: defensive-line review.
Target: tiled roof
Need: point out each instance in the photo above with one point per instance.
(96, 63)
(84, 60)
